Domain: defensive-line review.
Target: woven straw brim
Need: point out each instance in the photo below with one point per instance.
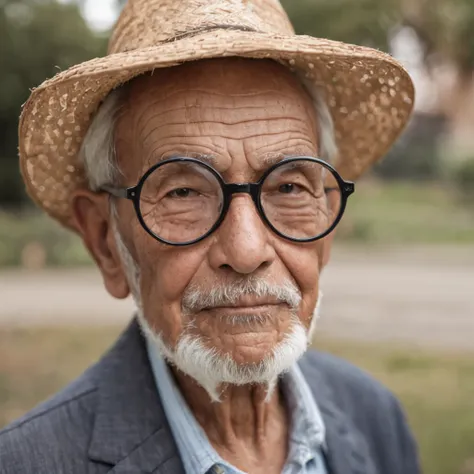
(369, 94)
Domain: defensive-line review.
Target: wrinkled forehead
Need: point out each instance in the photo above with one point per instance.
(223, 109)
(224, 75)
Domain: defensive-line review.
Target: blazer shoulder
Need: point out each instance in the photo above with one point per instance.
(354, 391)
(344, 377)
(51, 435)
(372, 408)
(55, 437)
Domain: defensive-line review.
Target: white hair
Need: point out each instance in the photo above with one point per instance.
(326, 133)
(98, 153)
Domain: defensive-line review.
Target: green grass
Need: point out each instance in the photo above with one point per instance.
(401, 213)
(436, 388)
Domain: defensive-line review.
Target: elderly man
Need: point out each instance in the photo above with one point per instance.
(198, 163)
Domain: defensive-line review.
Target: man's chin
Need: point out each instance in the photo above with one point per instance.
(248, 351)
(244, 366)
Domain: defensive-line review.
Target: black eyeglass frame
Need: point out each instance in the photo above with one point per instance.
(228, 190)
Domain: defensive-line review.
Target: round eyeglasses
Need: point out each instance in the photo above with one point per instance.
(181, 201)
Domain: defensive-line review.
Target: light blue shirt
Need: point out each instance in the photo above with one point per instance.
(306, 439)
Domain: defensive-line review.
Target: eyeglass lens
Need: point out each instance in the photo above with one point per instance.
(295, 201)
(181, 201)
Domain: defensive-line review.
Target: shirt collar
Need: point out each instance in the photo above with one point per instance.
(197, 454)
(307, 431)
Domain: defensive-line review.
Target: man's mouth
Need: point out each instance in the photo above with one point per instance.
(245, 309)
(247, 304)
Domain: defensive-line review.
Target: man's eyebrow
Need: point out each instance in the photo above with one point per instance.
(204, 157)
(272, 158)
(268, 159)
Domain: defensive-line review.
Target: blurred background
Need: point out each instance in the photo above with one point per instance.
(398, 294)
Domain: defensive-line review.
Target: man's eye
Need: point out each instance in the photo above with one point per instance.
(181, 193)
(289, 188)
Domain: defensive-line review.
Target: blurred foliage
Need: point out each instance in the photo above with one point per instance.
(367, 22)
(35, 237)
(463, 177)
(406, 213)
(417, 155)
(444, 26)
(37, 39)
(435, 387)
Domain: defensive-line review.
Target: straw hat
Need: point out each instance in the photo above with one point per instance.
(369, 94)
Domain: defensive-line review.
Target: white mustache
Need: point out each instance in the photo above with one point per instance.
(195, 298)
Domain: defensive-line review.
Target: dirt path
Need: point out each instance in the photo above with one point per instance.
(421, 296)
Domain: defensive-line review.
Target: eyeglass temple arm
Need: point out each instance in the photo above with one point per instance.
(348, 188)
(117, 192)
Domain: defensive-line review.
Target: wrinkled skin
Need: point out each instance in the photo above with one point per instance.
(245, 113)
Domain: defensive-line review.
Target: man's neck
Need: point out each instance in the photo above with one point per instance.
(246, 427)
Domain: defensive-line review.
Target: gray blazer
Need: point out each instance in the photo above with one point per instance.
(110, 420)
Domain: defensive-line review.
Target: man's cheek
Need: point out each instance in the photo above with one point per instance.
(305, 269)
(164, 281)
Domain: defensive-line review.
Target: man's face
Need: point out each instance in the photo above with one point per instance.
(245, 114)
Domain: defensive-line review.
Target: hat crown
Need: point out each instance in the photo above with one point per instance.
(147, 23)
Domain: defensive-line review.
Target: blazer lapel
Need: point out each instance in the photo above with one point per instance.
(347, 451)
(130, 431)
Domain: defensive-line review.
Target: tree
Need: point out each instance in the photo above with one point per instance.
(366, 22)
(446, 28)
(37, 39)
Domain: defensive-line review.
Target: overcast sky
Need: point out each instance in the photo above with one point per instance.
(99, 13)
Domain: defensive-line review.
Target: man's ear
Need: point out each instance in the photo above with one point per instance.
(91, 212)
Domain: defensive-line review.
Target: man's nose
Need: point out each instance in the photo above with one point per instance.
(242, 241)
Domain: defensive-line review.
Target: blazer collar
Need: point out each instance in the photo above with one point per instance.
(130, 430)
(347, 450)
(132, 434)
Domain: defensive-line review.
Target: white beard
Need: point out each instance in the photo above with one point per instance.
(211, 369)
